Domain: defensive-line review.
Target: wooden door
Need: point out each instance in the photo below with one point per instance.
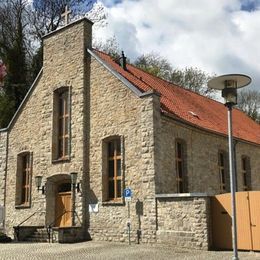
(221, 221)
(254, 205)
(63, 209)
(248, 220)
(244, 238)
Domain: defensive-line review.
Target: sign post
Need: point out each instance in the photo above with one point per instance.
(128, 198)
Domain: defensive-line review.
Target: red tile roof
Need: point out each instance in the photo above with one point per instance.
(188, 106)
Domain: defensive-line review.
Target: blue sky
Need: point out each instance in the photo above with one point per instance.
(249, 5)
(110, 3)
(217, 36)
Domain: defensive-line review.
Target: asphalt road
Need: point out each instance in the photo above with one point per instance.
(106, 251)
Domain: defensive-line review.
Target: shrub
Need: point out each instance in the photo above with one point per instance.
(4, 238)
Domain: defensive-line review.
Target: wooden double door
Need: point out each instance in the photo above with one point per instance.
(63, 206)
(248, 220)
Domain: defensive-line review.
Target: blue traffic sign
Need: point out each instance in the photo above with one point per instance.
(128, 193)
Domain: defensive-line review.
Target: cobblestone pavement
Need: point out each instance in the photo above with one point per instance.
(106, 250)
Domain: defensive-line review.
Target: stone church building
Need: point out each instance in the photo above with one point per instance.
(89, 127)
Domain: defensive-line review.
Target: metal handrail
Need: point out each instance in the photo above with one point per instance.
(50, 226)
(64, 212)
(17, 228)
(30, 217)
(77, 216)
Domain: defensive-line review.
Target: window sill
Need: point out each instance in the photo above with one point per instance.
(61, 160)
(22, 206)
(119, 202)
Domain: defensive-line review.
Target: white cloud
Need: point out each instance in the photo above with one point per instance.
(216, 35)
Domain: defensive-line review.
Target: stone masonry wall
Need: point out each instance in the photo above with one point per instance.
(64, 65)
(202, 159)
(116, 111)
(184, 222)
(3, 144)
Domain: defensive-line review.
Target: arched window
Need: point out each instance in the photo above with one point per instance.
(223, 171)
(112, 169)
(61, 124)
(246, 172)
(181, 166)
(23, 179)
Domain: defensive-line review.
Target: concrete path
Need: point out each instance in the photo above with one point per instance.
(106, 251)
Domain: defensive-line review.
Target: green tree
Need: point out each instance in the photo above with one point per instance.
(189, 78)
(193, 79)
(154, 64)
(249, 102)
(110, 47)
(46, 15)
(36, 63)
(13, 51)
(6, 109)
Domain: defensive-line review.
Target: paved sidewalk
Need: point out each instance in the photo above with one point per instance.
(106, 250)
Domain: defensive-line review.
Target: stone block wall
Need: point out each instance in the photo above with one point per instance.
(116, 111)
(68, 235)
(3, 158)
(3, 154)
(65, 54)
(184, 221)
(202, 158)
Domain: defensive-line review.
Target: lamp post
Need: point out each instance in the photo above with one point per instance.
(229, 85)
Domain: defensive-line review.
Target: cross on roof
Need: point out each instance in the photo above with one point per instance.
(66, 15)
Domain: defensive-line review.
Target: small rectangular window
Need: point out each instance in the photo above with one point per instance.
(23, 179)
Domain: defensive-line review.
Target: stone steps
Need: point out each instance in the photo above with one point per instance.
(58, 234)
(39, 235)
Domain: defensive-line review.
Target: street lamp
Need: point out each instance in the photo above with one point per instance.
(229, 85)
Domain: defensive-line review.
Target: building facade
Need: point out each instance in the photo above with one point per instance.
(86, 116)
